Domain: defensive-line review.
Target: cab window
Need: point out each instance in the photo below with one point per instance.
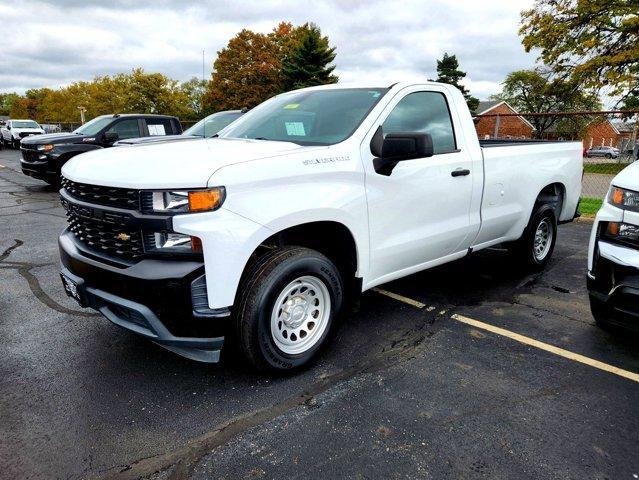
(159, 126)
(425, 112)
(126, 129)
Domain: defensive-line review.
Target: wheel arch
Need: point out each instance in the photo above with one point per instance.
(333, 239)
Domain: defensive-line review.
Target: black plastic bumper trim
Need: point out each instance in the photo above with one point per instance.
(142, 321)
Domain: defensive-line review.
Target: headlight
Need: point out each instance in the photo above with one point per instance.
(621, 233)
(45, 148)
(169, 242)
(622, 198)
(188, 201)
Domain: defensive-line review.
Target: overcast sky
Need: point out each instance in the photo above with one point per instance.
(55, 43)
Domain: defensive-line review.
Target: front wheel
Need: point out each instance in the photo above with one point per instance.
(537, 243)
(288, 303)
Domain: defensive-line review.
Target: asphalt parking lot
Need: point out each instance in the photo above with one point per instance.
(418, 383)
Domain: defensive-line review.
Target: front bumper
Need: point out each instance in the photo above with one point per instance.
(162, 300)
(614, 283)
(34, 166)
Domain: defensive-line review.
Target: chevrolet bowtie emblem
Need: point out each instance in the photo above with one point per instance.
(124, 237)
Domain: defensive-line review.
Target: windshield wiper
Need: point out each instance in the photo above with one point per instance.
(260, 138)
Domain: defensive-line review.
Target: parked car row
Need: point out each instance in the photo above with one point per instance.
(43, 155)
(261, 234)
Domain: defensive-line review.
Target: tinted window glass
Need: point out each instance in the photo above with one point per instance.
(212, 124)
(425, 112)
(159, 126)
(316, 117)
(126, 129)
(25, 124)
(94, 126)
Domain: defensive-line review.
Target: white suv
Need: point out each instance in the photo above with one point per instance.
(15, 130)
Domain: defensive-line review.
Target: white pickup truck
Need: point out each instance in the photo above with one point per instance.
(261, 234)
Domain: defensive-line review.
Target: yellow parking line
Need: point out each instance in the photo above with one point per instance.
(400, 298)
(548, 348)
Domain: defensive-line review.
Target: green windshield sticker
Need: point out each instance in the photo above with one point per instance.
(291, 106)
(295, 129)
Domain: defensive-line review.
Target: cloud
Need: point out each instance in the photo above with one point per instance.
(55, 43)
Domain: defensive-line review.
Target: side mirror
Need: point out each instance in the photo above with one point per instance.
(8, 127)
(397, 147)
(111, 137)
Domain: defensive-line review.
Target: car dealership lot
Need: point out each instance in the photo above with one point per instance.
(407, 389)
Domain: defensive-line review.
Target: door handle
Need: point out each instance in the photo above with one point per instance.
(460, 172)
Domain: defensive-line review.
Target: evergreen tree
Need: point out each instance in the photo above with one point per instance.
(309, 62)
(448, 72)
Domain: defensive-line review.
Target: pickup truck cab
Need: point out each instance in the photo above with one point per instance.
(43, 156)
(207, 127)
(613, 254)
(13, 131)
(262, 234)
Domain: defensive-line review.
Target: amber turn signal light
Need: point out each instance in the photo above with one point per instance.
(206, 200)
(613, 228)
(617, 196)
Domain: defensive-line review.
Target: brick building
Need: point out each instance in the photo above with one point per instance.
(599, 132)
(505, 127)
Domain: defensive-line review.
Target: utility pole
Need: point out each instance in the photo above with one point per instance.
(82, 110)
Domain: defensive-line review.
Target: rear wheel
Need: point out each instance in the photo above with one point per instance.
(537, 243)
(288, 303)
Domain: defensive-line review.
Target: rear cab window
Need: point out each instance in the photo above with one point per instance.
(159, 126)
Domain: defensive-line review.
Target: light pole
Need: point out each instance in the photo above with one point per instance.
(82, 110)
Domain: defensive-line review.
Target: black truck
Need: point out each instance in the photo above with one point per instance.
(44, 155)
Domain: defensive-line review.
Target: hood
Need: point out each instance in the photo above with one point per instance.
(55, 138)
(154, 139)
(168, 164)
(628, 178)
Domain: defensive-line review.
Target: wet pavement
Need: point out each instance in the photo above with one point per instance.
(403, 391)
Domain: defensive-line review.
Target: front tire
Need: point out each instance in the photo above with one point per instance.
(16, 144)
(288, 303)
(535, 247)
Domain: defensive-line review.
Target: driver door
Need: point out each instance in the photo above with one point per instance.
(420, 213)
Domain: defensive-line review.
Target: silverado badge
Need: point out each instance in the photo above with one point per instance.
(124, 237)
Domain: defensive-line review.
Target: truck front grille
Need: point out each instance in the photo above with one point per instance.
(111, 238)
(110, 196)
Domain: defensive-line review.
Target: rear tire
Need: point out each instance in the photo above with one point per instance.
(534, 248)
(288, 302)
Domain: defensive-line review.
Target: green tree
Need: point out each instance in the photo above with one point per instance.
(6, 101)
(194, 91)
(309, 62)
(593, 42)
(448, 72)
(538, 91)
(246, 72)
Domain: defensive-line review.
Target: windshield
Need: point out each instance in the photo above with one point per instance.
(25, 124)
(315, 117)
(94, 126)
(212, 124)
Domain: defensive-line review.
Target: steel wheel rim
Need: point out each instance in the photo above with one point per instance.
(300, 315)
(543, 239)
